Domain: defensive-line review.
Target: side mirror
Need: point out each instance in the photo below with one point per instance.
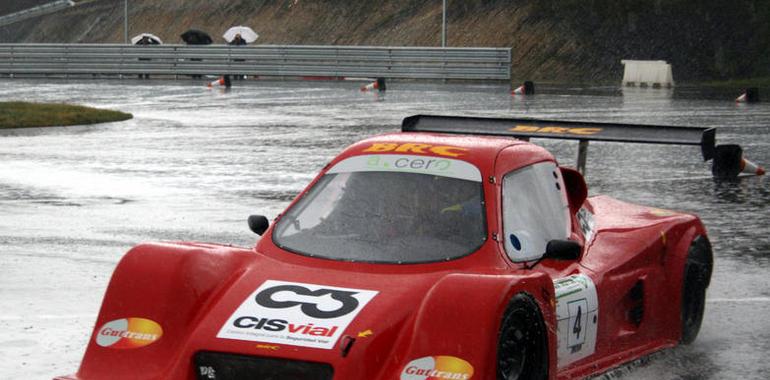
(562, 250)
(258, 224)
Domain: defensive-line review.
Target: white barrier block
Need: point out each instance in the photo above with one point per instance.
(647, 73)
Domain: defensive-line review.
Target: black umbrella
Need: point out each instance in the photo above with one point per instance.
(196, 37)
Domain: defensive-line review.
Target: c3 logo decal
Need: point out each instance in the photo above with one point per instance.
(298, 295)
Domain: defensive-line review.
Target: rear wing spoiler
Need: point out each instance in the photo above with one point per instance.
(571, 130)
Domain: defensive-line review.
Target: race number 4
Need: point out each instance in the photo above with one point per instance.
(577, 312)
(577, 321)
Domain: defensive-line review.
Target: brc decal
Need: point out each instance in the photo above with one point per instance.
(441, 150)
(437, 368)
(297, 314)
(267, 347)
(128, 333)
(556, 130)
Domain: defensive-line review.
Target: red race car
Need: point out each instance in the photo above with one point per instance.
(434, 253)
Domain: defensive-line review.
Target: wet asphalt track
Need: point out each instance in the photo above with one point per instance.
(194, 162)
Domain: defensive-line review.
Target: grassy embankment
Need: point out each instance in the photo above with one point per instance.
(27, 115)
(763, 83)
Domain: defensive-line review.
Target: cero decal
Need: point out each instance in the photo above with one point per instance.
(556, 130)
(441, 150)
(407, 163)
(297, 314)
(307, 300)
(128, 333)
(437, 367)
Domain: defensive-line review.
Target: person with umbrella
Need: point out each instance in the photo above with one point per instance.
(238, 40)
(240, 36)
(146, 39)
(196, 37)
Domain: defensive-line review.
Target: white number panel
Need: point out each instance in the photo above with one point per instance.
(577, 309)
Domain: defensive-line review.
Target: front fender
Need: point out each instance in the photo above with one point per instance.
(682, 236)
(460, 318)
(162, 290)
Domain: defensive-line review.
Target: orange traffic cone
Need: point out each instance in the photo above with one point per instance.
(218, 82)
(528, 88)
(222, 81)
(369, 87)
(730, 162)
(748, 167)
(750, 95)
(378, 84)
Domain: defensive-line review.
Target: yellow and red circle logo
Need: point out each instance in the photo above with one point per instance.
(437, 368)
(128, 333)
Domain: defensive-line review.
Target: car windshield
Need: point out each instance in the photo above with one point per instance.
(368, 209)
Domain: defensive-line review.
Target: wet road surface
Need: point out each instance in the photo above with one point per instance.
(195, 162)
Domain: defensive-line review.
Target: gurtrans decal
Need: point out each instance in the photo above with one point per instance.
(437, 368)
(128, 333)
(295, 313)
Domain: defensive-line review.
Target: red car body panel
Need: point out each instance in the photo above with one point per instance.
(450, 308)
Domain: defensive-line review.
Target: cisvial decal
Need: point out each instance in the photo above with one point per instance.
(128, 333)
(437, 368)
(295, 313)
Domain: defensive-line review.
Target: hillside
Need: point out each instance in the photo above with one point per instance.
(555, 40)
(7, 7)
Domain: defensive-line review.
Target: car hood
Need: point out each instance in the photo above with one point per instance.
(174, 310)
(298, 312)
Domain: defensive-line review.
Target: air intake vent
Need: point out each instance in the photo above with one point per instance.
(221, 366)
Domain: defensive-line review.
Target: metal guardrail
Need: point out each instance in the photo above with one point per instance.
(39, 10)
(263, 60)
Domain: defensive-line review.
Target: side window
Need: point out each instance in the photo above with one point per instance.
(535, 210)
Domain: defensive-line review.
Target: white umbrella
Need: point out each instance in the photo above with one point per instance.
(246, 33)
(148, 35)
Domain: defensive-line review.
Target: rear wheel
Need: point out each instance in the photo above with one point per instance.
(522, 348)
(697, 275)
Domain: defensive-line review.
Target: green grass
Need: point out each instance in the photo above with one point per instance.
(762, 82)
(27, 115)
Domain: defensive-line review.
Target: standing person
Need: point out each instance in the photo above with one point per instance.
(145, 41)
(238, 41)
(196, 37)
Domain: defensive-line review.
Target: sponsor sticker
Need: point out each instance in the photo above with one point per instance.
(437, 368)
(445, 167)
(577, 310)
(441, 150)
(129, 333)
(556, 130)
(296, 313)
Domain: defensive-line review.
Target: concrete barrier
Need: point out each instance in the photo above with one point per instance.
(647, 74)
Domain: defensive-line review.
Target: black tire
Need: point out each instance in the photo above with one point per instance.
(522, 346)
(697, 276)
